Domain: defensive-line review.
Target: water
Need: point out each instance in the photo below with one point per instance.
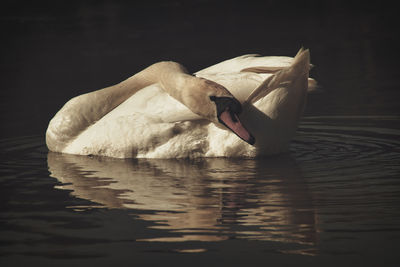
(332, 201)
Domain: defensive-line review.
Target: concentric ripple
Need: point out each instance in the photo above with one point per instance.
(348, 137)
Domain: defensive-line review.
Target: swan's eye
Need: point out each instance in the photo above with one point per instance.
(226, 103)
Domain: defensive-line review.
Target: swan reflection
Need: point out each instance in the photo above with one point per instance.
(207, 199)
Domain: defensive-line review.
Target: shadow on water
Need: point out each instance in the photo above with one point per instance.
(198, 200)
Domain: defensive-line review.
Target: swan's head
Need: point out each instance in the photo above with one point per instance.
(218, 105)
(228, 110)
(207, 99)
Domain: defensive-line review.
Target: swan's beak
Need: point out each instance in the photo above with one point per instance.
(227, 110)
(231, 120)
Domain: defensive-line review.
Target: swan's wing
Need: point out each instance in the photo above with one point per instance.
(241, 63)
(239, 84)
(241, 75)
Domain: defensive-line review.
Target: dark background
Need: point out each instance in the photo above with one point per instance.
(51, 51)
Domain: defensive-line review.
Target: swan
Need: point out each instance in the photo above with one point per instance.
(247, 106)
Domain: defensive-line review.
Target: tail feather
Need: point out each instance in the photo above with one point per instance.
(299, 66)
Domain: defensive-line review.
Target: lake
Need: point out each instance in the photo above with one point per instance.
(332, 200)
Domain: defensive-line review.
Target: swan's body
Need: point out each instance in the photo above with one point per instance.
(171, 118)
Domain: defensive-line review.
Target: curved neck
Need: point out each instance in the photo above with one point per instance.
(82, 111)
(173, 78)
(168, 74)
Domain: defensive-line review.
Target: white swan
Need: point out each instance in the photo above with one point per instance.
(163, 112)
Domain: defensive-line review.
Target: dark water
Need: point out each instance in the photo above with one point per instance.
(333, 200)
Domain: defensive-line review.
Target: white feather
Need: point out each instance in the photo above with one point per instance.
(152, 124)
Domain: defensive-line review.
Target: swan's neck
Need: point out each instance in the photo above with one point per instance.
(191, 91)
(104, 100)
(170, 75)
(82, 111)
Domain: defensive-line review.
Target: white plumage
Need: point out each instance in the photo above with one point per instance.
(152, 124)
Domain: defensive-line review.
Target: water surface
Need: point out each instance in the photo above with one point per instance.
(333, 199)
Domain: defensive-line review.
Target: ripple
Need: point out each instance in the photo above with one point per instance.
(340, 179)
(341, 138)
